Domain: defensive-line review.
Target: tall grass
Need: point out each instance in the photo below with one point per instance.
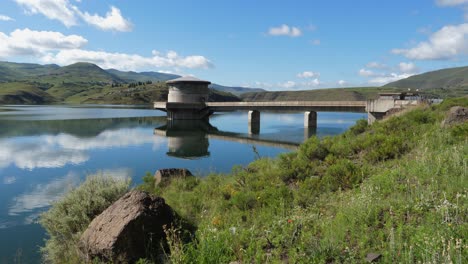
(70, 216)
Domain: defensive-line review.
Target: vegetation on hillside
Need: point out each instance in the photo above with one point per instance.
(397, 188)
(450, 82)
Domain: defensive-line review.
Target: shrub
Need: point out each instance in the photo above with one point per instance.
(359, 127)
(70, 216)
(343, 174)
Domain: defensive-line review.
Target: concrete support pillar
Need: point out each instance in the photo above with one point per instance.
(310, 119)
(309, 131)
(254, 122)
(374, 116)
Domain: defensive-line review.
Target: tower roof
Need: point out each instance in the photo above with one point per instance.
(187, 79)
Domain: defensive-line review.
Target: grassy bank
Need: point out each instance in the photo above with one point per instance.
(398, 188)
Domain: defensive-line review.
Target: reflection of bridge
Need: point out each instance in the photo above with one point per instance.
(189, 139)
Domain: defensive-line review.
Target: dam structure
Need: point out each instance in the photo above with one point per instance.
(188, 100)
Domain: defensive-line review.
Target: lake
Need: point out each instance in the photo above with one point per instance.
(46, 150)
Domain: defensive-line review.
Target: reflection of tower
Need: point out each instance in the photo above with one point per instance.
(187, 139)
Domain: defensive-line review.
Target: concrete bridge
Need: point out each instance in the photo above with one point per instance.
(188, 100)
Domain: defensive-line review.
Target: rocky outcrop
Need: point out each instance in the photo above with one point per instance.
(131, 228)
(163, 176)
(456, 115)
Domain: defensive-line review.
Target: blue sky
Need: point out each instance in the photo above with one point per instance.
(276, 45)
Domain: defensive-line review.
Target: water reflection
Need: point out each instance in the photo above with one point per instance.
(46, 150)
(189, 139)
(186, 139)
(54, 144)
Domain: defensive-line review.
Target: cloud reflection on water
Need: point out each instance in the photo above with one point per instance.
(55, 151)
(29, 204)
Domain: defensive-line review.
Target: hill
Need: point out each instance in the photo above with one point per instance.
(23, 93)
(235, 90)
(335, 94)
(452, 82)
(11, 71)
(131, 76)
(22, 83)
(446, 82)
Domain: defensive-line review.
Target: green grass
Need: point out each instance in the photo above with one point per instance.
(23, 93)
(398, 187)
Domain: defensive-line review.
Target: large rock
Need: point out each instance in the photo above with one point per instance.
(131, 228)
(163, 176)
(456, 115)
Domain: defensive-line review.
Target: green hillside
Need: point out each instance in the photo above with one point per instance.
(23, 93)
(337, 94)
(24, 83)
(446, 82)
(235, 90)
(131, 76)
(10, 71)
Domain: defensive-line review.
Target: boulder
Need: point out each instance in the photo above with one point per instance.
(129, 229)
(163, 176)
(456, 115)
(373, 257)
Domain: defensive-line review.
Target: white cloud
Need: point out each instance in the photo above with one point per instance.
(29, 42)
(113, 21)
(381, 80)
(381, 76)
(285, 30)
(447, 43)
(124, 61)
(5, 18)
(54, 47)
(342, 82)
(308, 74)
(68, 14)
(287, 85)
(376, 65)
(315, 42)
(53, 9)
(407, 67)
(367, 73)
(451, 2)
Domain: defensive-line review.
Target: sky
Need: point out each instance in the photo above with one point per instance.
(275, 45)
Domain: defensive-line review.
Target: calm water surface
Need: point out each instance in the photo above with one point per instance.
(45, 150)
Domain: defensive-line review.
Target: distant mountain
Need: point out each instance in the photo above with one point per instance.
(235, 90)
(335, 94)
(131, 76)
(160, 76)
(445, 82)
(27, 83)
(11, 71)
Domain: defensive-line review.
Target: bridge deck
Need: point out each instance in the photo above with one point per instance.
(327, 106)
